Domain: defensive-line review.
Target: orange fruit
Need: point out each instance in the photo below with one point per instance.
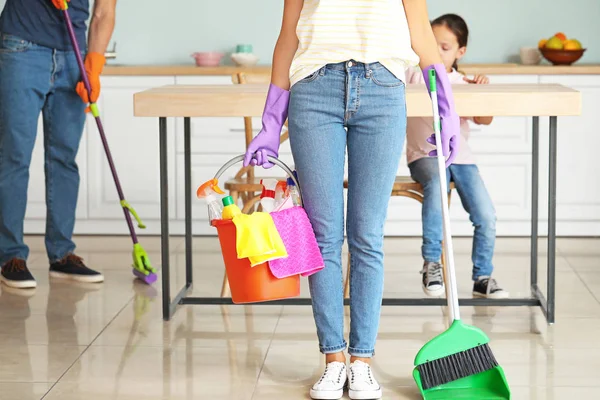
(542, 43)
(561, 36)
(572, 45)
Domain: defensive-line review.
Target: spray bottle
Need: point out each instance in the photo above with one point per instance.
(280, 193)
(212, 194)
(267, 197)
(292, 191)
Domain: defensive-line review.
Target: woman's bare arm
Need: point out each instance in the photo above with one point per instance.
(287, 44)
(421, 36)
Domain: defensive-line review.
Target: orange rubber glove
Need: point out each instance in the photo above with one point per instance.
(60, 4)
(94, 63)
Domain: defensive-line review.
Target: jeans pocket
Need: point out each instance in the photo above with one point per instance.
(13, 44)
(312, 77)
(384, 78)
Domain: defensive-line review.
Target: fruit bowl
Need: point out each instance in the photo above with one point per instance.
(562, 57)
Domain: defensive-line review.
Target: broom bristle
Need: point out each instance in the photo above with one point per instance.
(456, 366)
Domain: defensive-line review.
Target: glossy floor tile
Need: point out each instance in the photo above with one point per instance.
(65, 341)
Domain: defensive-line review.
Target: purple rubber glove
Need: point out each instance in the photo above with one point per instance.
(266, 143)
(449, 118)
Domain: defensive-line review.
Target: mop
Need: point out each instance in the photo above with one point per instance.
(141, 263)
(458, 363)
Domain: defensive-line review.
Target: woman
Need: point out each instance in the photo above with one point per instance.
(339, 68)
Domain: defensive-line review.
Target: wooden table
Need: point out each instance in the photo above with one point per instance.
(547, 100)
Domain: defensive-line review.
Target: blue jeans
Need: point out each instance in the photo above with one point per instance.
(369, 102)
(476, 201)
(38, 79)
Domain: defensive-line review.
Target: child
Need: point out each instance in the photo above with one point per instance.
(451, 33)
(339, 68)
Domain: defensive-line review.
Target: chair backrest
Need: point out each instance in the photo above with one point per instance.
(242, 78)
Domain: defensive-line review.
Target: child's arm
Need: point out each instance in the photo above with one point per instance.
(287, 44)
(480, 80)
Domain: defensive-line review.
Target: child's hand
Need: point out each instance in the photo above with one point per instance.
(478, 80)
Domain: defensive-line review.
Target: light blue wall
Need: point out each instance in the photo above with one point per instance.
(148, 32)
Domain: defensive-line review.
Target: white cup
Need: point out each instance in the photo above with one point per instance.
(530, 55)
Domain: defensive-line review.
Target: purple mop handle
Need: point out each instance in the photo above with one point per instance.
(88, 87)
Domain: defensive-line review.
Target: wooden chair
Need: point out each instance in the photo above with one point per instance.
(245, 184)
(404, 186)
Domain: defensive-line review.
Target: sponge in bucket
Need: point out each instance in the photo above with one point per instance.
(257, 238)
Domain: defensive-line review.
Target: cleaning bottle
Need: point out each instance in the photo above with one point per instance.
(231, 209)
(292, 191)
(280, 193)
(267, 197)
(210, 192)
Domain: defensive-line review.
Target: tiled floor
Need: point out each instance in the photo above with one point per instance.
(72, 342)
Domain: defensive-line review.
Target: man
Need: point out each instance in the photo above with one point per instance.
(39, 73)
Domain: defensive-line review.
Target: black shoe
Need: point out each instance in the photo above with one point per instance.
(488, 288)
(433, 279)
(72, 268)
(15, 274)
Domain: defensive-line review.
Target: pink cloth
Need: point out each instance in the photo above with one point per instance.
(304, 256)
(418, 129)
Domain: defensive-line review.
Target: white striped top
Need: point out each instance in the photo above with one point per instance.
(332, 31)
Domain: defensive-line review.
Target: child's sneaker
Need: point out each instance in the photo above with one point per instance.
(362, 386)
(15, 274)
(433, 279)
(488, 288)
(331, 384)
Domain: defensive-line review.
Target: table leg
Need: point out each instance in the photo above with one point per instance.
(552, 220)
(535, 176)
(164, 220)
(188, 202)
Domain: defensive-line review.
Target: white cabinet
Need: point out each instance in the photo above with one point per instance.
(134, 146)
(578, 193)
(502, 151)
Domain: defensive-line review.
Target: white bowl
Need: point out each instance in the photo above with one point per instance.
(244, 59)
(530, 55)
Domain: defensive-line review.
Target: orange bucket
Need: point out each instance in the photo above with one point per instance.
(251, 284)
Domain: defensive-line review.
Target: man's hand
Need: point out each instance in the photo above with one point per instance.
(94, 63)
(60, 4)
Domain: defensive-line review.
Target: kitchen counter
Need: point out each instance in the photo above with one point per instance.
(469, 69)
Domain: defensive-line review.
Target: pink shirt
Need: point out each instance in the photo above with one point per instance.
(418, 129)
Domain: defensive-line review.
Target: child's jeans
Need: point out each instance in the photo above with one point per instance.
(369, 101)
(475, 200)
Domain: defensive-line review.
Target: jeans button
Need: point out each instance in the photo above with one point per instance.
(350, 64)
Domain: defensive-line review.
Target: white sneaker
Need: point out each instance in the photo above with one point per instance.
(362, 385)
(433, 279)
(332, 382)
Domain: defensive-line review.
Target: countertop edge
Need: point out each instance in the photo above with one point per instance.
(469, 69)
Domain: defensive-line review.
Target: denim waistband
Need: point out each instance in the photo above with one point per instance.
(356, 66)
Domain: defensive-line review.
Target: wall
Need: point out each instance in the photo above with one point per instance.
(148, 32)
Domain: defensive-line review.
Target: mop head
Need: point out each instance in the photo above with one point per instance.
(141, 265)
(147, 279)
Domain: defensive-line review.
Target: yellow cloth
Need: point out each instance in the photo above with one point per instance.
(257, 238)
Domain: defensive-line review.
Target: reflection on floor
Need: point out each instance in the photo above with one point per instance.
(75, 342)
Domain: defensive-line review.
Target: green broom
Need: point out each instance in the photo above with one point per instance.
(457, 364)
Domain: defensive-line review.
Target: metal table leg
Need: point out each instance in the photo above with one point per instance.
(535, 177)
(552, 220)
(188, 202)
(164, 219)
